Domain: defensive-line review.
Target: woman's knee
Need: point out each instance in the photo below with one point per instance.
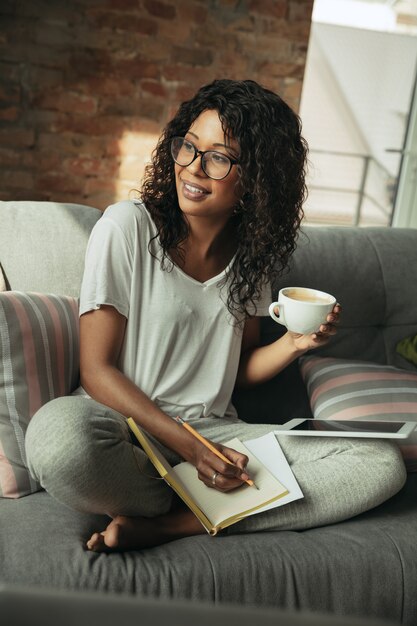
(65, 435)
(392, 461)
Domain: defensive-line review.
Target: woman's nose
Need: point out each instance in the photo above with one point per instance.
(196, 167)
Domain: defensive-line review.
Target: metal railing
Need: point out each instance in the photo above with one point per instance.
(372, 189)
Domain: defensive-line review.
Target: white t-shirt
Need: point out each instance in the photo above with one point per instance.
(181, 345)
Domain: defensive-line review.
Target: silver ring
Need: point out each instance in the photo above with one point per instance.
(213, 478)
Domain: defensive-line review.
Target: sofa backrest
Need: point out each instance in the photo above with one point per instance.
(371, 271)
(42, 245)
(373, 274)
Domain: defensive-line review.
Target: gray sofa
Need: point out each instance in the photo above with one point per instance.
(366, 566)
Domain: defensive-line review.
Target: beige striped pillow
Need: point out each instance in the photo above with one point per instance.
(345, 389)
(39, 361)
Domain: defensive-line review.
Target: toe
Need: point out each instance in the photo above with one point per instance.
(96, 542)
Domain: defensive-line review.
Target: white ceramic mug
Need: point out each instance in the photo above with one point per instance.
(302, 310)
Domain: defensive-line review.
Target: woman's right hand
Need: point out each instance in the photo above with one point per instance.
(216, 473)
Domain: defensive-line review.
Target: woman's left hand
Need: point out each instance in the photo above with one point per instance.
(322, 336)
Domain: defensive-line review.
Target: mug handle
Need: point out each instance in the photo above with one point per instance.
(279, 319)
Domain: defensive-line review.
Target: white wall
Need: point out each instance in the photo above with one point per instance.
(356, 98)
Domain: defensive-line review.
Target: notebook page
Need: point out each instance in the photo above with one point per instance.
(267, 449)
(218, 506)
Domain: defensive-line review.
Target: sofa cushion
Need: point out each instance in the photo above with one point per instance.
(346, 389)
(42, 245)
(363, 566)
(39, 361)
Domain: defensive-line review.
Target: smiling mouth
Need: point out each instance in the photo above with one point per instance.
(194, 189)
(193, 192)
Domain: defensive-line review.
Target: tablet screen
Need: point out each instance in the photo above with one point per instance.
(350, 426)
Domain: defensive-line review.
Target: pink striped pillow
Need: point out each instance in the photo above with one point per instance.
(345, 389)
(39, 361)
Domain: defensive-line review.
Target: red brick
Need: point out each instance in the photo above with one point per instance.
(100, 200)
(39, 78)
(107, 86)
(238, 63)
(153, 87)
(192, 56)
(10, 158)
(9, 114)
(88, 166)
(298, 52)
(270, 8)
(118, 106)
(49, 161)
(192, 75)
(9, 92)
(136, 68)
(76, 197)
(37, 54)
(150, 108)
(207, 35)
(47, 10)
(179, 34)
(123, 22)
(300, 10)
(292, 89)
(20, 194)
(293, 31)
(67, 102)
(154, 48)
(52, 34)
(70, 143)
(57, 182)
(10, 71)
(122, 5)
(16, 179)
(21, 137)
(144, 126)
(184, 92)
(283, 70)
(94, 185)
(190, 11)
(97, 125)
(45, 120)
(87, 62)
(265, 48)
(160, 9)
(247, 23)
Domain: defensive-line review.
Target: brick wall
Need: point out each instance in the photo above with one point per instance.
(87, 85)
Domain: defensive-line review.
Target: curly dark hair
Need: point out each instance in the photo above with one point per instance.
(271, 170)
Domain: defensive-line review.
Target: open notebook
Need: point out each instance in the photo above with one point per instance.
(214, 509)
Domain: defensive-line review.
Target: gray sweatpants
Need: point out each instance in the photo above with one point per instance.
(81, 452)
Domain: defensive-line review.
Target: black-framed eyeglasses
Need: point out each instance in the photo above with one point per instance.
(214, 164)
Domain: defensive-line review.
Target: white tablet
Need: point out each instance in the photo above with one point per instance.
(347, 428)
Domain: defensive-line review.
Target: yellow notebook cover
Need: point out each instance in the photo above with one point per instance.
(214, 509)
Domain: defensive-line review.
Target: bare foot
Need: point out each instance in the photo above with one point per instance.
(130, 533)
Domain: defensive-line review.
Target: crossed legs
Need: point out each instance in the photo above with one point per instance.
(82, 454)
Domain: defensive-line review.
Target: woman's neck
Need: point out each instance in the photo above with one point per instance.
(208, 249)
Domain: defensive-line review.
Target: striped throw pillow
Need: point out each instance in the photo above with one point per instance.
(345, 389)
(39, 361)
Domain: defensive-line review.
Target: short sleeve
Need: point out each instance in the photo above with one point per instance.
(108, 269)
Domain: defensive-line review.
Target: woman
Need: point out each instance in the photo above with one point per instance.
(170, 302)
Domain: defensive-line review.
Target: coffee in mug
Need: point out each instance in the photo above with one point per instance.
(302, 310)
